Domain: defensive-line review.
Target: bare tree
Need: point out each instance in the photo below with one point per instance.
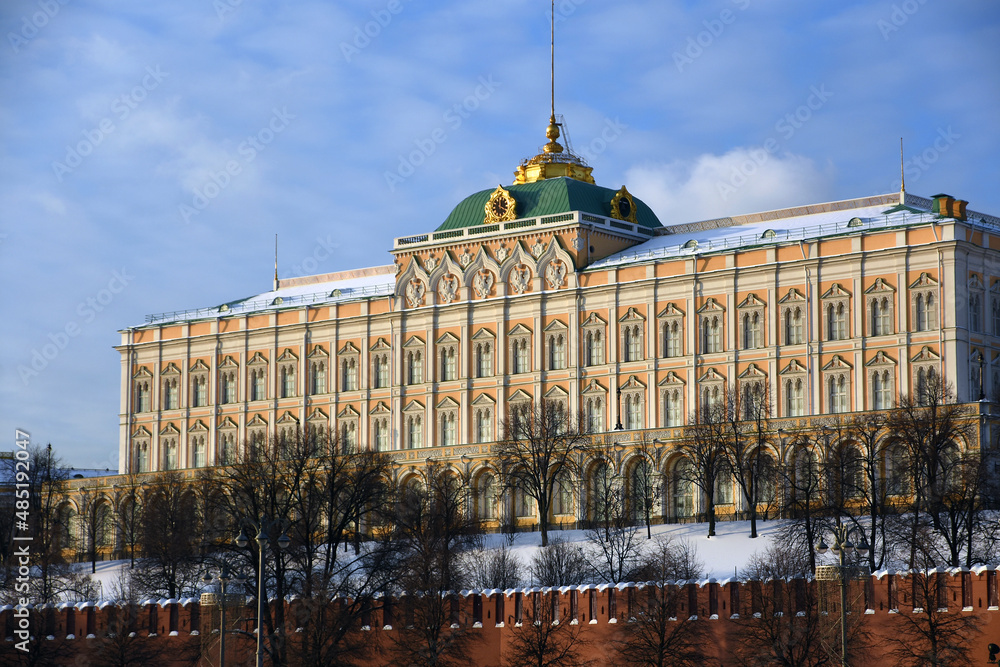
(645, 484)
(169, 562)
(560, 563)
(931, 427)
(432, 529)
(704, 446)
(497, 567)
(545, 638)
(128, 515)
(781, 623)
(930, 635)
(658, 636)
(746, 441)
(537, 451)
(805, 501)
(95, 520)
(123, 644)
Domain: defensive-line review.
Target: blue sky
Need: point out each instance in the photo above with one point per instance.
(150, 151)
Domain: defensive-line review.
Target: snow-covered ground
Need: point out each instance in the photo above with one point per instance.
(730, 548)
(724, 555)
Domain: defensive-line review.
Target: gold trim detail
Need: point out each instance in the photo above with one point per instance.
(616, 206)
(501, 207)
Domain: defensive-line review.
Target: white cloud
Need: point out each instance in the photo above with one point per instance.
(744, 180)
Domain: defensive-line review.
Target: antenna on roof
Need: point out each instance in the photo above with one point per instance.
(552, 44)
(902, 176)
(275, 262)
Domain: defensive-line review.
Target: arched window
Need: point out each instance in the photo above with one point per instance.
(633, 411)
(448, 430)
(449, 365)
(557, 352)
(562, 499)
(381, 432)
(673, 407)
(414, 367)
(414, 431)
(484, 360)
(601, 491)
(793, 326)
(317, 377)
(381, 371)
(642, 490)
(487, 497)
(595, 414)
(673, 339)
(683, 490)
(287, 381)
(724, 486)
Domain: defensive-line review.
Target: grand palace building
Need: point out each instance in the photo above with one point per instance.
(557, 288)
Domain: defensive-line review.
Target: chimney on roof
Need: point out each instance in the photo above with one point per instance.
(949, 207)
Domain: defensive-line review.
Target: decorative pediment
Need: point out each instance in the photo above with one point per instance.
(198, 426)
(925, 280)
(227, 423)
(711, 305)
(318, 351)
(317, 415)
(171, 369)
(199, 367)
(257, 359)
(380, 345)
(229, 362)
(671, 310)
(520, 330)
(447, 403)
(594, 387)
(792, 296)
(556, 393)
(880, 286)
(975, 282)
(672, 379)
(519, 396)
(632, 315)
(414, 341)
(751, 301)
(484, 334)
(925, 354)
(976, 356)
(288, 355)
(412, 275)
(380, 409)
(447, 339)
(414, 406)
(482, 262)
(836, 292)
(349, 348)
(143, 372)
(141, 432)
(752, 372)
(349, 412)
(484, 399)
(555, 264)
(711, 375)
(837, 364)
(881, 359)
(594, 320)
(556, 325)
(633, 383)
(257, 421)
(170, 429)
(287, 418)
(793, 368)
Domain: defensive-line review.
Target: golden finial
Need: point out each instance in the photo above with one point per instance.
(553, 161)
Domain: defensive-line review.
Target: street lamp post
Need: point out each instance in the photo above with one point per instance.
(224, 578)
(262, 540)
(842, 547)
(618, 426)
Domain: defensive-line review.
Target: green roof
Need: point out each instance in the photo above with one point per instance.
(547, 197)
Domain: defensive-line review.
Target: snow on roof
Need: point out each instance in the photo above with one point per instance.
(775, 227)
(328, 288)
